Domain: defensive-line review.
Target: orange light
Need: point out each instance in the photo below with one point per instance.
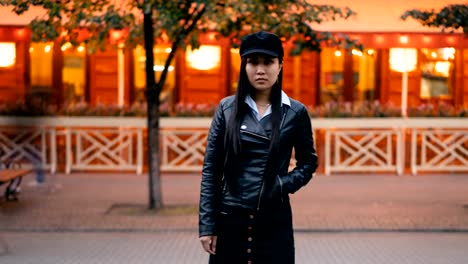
(66, 46)
(116, 34)
(164, 37)
(404, 39)
(427, 39)
(356, 52)
(379, 39)
(19, 33)
(211, 36)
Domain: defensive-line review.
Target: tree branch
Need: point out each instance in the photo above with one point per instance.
(180, 37)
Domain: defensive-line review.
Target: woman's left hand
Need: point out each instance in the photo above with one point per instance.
(209, 243)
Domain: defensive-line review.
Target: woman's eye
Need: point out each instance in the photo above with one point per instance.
(252, 61)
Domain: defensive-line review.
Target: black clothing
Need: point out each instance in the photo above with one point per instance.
(251, 216)
(252, 193)
(245, 235)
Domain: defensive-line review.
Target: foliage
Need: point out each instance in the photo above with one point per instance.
(194, 109)
(365, 109)
(98, 23)
(440, 110)
(451, 17)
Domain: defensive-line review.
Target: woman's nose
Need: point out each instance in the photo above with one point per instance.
(260, 69)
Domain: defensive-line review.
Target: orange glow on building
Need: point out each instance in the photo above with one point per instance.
(336, 74)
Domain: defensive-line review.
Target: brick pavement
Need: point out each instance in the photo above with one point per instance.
(183, 248)
(81, 202)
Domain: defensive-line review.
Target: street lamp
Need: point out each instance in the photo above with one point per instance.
(403, 60)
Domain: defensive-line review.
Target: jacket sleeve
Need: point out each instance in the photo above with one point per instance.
(305, 155)
(212, 171)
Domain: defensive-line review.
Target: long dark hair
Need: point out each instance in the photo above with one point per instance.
(232, 141)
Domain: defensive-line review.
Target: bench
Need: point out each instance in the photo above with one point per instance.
(13, 177)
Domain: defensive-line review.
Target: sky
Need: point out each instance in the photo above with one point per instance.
(373, 15)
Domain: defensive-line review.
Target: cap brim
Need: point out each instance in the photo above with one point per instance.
(261, 51)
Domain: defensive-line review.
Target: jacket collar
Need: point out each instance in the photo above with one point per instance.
(251, 103)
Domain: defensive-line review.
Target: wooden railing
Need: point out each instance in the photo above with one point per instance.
(344, 145)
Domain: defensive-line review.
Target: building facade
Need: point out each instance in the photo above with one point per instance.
(61, 73)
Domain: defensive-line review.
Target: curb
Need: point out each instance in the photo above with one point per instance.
(194, 230)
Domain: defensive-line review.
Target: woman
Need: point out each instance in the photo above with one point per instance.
(245, 214)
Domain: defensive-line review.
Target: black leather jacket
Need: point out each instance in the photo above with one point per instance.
(296, 132)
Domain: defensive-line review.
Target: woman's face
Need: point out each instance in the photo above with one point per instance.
(262, 71)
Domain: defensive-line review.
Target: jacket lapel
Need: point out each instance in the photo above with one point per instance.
(250, 124)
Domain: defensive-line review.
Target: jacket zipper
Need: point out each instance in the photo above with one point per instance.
(253, 134)
(281, 187)
(263, 181)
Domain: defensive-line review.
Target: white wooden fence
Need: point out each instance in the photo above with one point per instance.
(118, 143)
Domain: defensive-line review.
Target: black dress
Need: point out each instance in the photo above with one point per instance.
(251, 236)
(245, 236)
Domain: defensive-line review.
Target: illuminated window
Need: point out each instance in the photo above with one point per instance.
(41, 93)
(437, 67)
(331, 75)
(347, 75)
(74, 72)
(160, 56)
(364, 75)
(7, 54)
(41, 65)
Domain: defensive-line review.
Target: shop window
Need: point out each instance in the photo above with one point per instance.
(347, 75)
(364, 74)
(41, 92)
(74, 72)
(331, 75)
(437, 67)
(160, 55)
(41, 65)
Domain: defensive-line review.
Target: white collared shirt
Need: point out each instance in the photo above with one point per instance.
(251, 103)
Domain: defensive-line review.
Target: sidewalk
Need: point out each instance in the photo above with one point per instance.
(115, 202)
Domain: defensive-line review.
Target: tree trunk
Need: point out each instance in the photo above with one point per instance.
(152, 99)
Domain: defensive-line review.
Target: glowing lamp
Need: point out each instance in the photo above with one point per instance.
(403, 60)
(207, 57)
(7, 54)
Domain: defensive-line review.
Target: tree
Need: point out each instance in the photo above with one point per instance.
(180, 22)
(451, 17)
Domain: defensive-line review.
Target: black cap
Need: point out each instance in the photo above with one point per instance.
(262, 42)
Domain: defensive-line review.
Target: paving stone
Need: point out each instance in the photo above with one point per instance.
(184, 248)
